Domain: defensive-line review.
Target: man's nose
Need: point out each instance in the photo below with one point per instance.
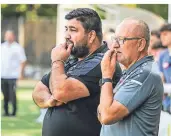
(67, 35)
(115, 45)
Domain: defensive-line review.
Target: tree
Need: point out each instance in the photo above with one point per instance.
(158, 9)
(28, 10)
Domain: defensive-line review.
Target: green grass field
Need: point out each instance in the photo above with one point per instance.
(24, 123)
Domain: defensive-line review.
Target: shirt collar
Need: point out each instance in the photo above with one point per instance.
(138, 63)
(73, 60)
(9, 44)
(103, 48)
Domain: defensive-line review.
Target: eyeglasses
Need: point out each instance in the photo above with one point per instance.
(121, 40)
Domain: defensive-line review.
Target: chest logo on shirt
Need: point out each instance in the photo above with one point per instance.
(165, 65)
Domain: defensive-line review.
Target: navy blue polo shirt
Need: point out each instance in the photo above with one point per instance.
(78, 117)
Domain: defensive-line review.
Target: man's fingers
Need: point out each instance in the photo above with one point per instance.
(69, 48)
(109, 54)
(113, 59)
(63, 45)
(51, 101)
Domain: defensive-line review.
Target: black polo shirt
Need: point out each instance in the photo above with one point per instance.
(78, 117)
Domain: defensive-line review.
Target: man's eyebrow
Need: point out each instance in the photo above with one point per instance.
(70, 27)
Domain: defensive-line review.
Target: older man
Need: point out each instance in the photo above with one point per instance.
(133, 107)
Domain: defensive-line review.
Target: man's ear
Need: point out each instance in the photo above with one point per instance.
(142, 45)
(92, 36)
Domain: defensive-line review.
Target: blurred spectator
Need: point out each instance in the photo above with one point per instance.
(156, 49)
(165, 62)
(12, 68)
(165, 57)
(155, 37)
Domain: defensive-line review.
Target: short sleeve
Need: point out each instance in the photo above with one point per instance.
(90, 80)
(45, 79)
(133, 93)
(22, 54)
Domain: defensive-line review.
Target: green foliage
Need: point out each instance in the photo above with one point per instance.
(158, 9)
(47, 10)
(28, 10)
(50, 10)
(14, 10)
(101, 12)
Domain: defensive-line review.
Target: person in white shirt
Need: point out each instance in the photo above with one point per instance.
(13, 61)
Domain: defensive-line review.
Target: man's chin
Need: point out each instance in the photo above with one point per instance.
(78, 55)
(118, 56)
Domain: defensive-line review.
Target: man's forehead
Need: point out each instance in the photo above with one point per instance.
(126, 28)
(72, 23)
(122, 29)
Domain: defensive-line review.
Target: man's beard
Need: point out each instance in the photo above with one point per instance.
(80, 51)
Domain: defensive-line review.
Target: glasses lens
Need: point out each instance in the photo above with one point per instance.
(118, 40)
(121, 41)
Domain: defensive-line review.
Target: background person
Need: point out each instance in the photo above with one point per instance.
(155, 37)
(13, 61)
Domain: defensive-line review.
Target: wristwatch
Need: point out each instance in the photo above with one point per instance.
(104, 80)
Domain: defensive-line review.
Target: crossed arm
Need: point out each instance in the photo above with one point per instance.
(42, 96)
(109, 110)
(63, 89)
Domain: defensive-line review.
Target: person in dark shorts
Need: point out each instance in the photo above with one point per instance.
(71, 91)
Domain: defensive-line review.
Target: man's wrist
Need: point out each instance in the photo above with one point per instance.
(57, 64)
(57, 61)
(104, 80)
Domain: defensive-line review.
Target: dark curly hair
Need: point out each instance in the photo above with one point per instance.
(89, 19)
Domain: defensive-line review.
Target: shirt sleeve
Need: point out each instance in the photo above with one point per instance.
(133, 93)
(90, 80)
(22, 54)
(45, 79)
